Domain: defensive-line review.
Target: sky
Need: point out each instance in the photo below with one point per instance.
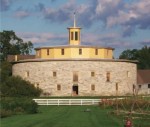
(120, 24)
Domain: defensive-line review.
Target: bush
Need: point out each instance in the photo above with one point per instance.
(17, 87)
(11, 106)
(127, 104)
(30, 106)
(5, 70)
(5, 113)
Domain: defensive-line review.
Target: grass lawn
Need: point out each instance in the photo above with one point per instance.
(65, 116)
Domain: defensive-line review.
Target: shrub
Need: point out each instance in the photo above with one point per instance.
(5, 70)
(17, 87)
(30, 106)
(18, 106)
(126, 104)
(5, 113)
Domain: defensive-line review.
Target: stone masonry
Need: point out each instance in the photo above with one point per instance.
(40, 73)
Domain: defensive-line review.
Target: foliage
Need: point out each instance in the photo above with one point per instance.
(127, 104)
(11, 106)
(142, 55)
(17, 87)
(11, 44)
(5, 113)
(5, 70)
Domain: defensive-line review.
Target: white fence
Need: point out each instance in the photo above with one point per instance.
(67, 101)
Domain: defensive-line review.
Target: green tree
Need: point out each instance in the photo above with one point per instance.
(11, 44)
(129, 54)
(142, 55)
(5, 70)
(17, 87)
(144, 58)
(11, 86)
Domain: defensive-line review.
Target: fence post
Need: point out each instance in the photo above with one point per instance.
(58, 102)
(47, 102)
(93, 101)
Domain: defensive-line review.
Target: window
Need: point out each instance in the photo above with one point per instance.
(148, 85)
(47, 51)
(76, 36)
(92, 74)
(75, 76)
(92, 87)
(62, 51)
(139, 86)
(133, 89)
(108, 76)
(128, 74)
(27, 74)
(54, 74)
(116, 86)
(80, 51)
(58, 87)
(71, 35)
(96, 51)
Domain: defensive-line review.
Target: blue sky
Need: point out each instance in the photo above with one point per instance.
(121, 24)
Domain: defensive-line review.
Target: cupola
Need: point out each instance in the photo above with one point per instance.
(74, 33)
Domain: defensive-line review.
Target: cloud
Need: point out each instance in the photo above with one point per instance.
(61, 14)
(21, 14)
(5, 4)
(109, 39)
(106, 8)
(146, 42)
(129, 16)
(133, 16)
(40, 7)
(46, 38)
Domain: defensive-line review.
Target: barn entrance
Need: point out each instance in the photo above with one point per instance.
(75, 89)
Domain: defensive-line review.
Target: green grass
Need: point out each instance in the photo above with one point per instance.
(66, 116)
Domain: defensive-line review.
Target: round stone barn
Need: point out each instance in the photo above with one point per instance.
(78, 70)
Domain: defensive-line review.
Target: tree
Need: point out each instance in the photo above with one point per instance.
(12, 86)
(5, 70)
(11, 44)
(144, 58)
(142, 55)
(15, 86)
(129, 54)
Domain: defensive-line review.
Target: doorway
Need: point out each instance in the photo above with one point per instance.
(75, 90)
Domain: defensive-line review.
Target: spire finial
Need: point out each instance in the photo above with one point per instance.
(74, 24)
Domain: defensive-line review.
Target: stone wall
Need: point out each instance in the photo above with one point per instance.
(144, 90)
(41, 74)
